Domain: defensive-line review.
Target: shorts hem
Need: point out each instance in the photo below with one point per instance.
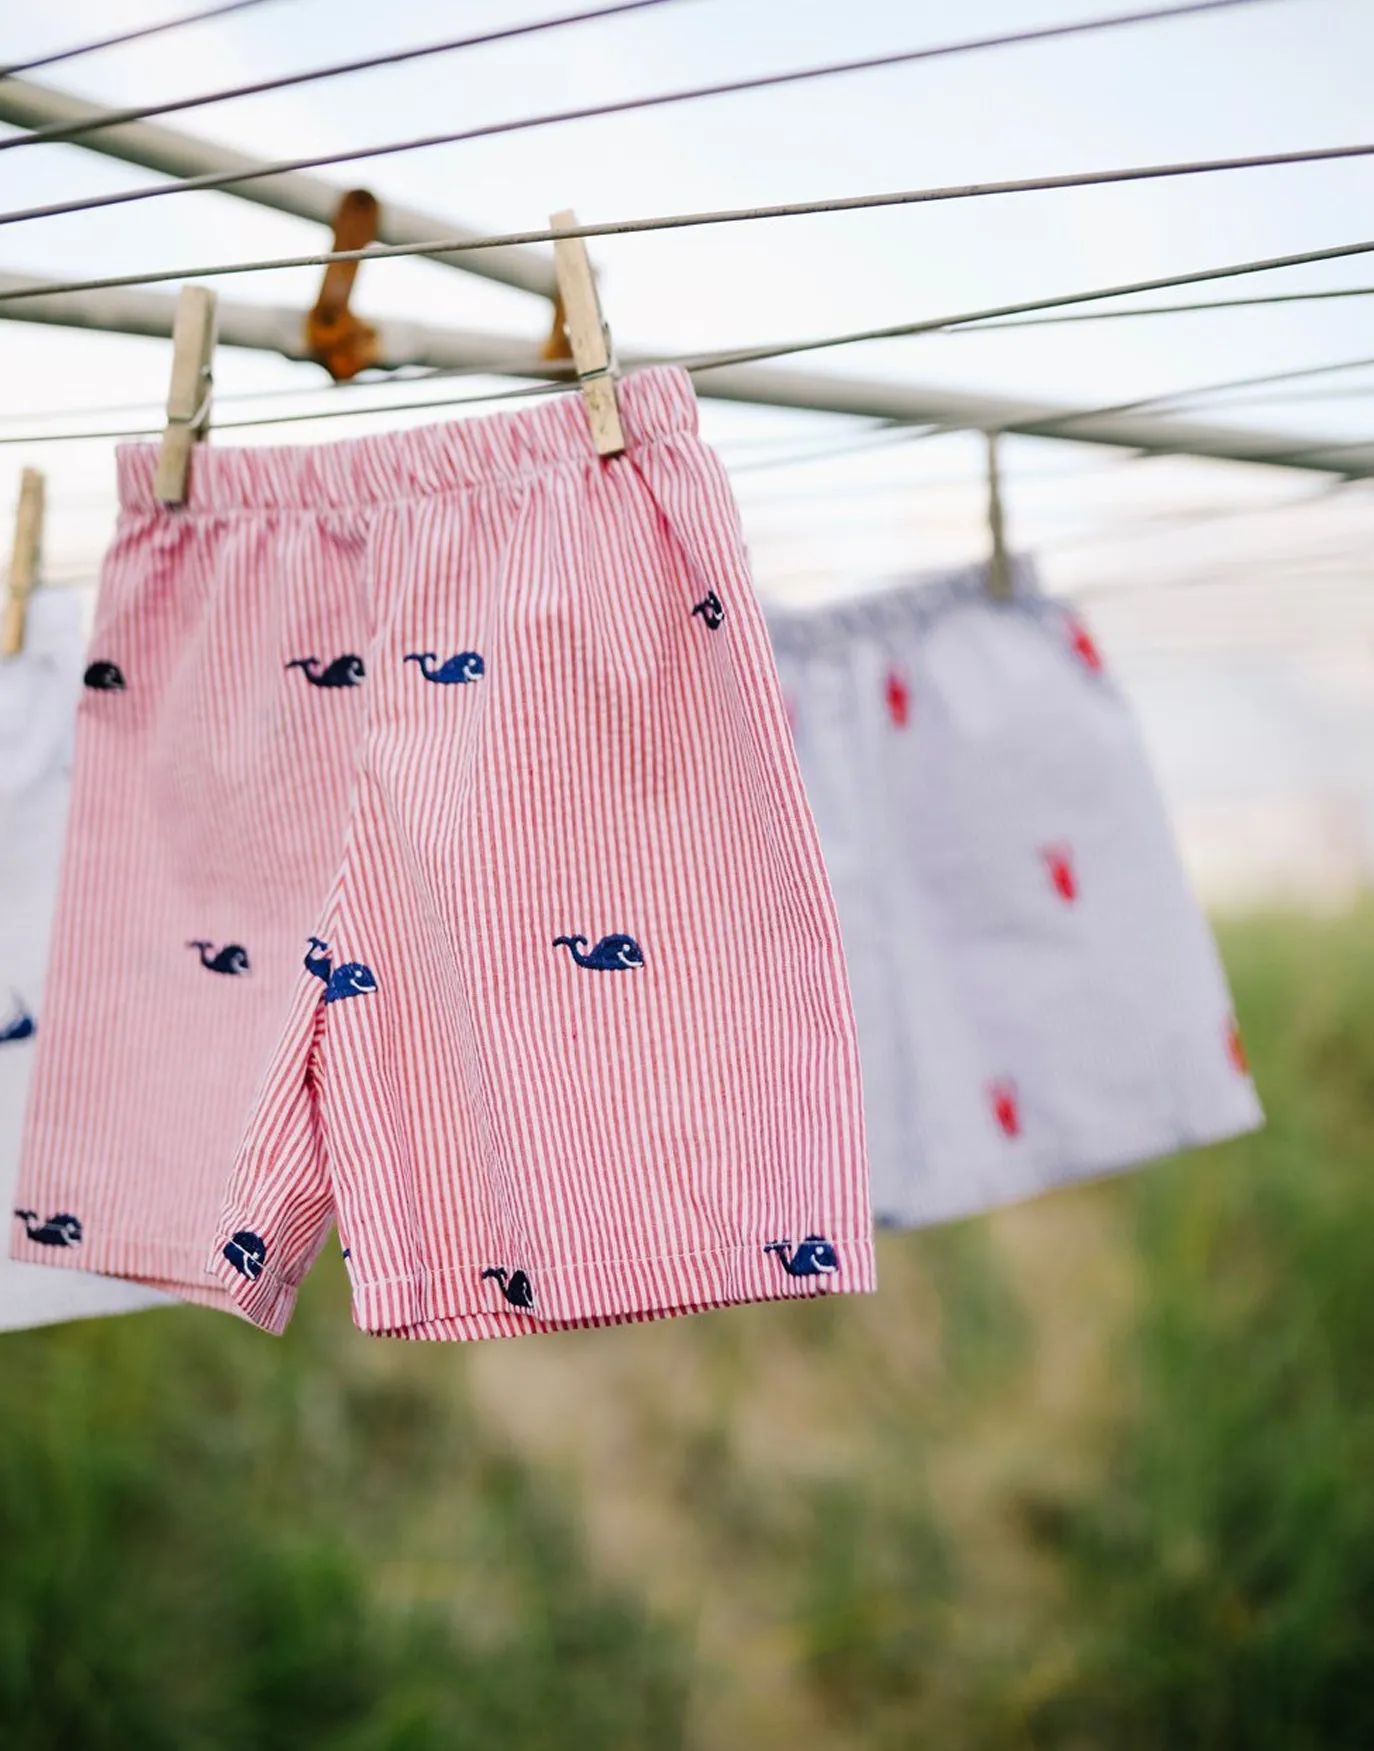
(460, 1304)
(174, 1270)
(1034, 1179)
(267, 1299)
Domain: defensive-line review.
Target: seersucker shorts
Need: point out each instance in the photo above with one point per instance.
(1039, 997)
(441, 871)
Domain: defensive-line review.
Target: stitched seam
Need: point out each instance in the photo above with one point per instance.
(425, 1275)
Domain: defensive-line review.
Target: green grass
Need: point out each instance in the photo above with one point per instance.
(1096, 1472)
(209, 1540)
(1227, 1560)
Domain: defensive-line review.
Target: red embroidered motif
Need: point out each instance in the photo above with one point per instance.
(1059, 862)
(1005, 1108)
(1235, 1048)
(1083, 646)
(898, 700)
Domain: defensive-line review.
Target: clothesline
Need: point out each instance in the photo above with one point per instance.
(668, 222)
(384, 376)
(1206, 390)
(1019, 417)
(58, 131)
(137, 34)
(1048, 421)
(692, 361)
(742, 215)
(1190, 309)
(34, 422)
(1045, 33)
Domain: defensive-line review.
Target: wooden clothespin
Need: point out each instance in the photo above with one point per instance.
(999, 565)
(580, 310)
(28, 542)
(188, 400)
(334, 336)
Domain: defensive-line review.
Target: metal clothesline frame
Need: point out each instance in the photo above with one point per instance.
(28, 104)
(278, 329)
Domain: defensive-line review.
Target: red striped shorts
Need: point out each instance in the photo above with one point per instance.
(439, 868)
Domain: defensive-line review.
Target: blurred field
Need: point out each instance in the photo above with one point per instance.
(1096, 1472)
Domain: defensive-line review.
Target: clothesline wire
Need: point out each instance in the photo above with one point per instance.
(1046, 33)
(203, 16)
(1190, 309)
(887, 437)
(496, 368)
(296, 391)
(291, 419)
(1204, 390)
(1106, 526)
(689, 221)
(1167, 398)
(68, 131)
(901, 331)
(750, 355)
(404, 374)
(967, 489)
(624, 106)
(850, 491)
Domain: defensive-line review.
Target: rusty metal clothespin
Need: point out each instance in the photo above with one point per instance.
(577, 314)
(28, 542)
(334, 336)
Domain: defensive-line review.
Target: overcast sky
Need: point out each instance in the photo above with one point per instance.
(1244, 620)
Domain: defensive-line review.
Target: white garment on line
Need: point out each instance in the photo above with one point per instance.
(38, 693)
(1039, 997)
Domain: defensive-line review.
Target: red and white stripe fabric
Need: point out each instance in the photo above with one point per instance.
(568, 726)
(1039, 997)
(38, 693)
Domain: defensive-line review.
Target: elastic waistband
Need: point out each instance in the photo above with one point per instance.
(905, 603)
(388, 466)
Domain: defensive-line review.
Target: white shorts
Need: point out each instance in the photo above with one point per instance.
(1039, 998)
(38, 695)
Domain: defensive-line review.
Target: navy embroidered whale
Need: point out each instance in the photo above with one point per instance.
(318, 964)
(815, 1257)
(711, 609)
(56, 1231)
(22, 1027)
(345, 671)
(232, 958)
(104, 677)
(246, 1252)
(352, 979)
(611, 955)
(466, 666)
(515, 1286)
